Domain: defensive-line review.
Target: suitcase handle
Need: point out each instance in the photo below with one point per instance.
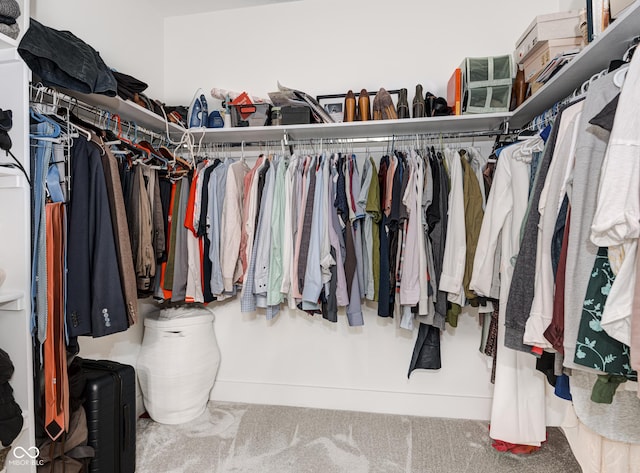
(127, 425)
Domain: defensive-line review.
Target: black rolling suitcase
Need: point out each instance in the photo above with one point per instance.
(110, 404)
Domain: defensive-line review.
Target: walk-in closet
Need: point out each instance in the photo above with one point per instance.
(219, 209)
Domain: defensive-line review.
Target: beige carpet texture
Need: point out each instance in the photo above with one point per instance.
(244, 438)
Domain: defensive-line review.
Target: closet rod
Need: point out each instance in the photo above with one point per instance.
(365, 139)
(94, 113)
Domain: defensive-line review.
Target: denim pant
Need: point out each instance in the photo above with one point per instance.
(61, 59)
(43, 153)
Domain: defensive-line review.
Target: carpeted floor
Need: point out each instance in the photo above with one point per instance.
(234, 438)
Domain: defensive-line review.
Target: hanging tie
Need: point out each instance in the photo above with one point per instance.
(56, 388)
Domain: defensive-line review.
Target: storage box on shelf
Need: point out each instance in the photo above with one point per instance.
(594, 58)
(544, 51)
(547, 27)
(486, 84)
(244, 115)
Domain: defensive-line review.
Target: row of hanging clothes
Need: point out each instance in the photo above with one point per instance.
(564, 222)
(325, 232)
(96, 235)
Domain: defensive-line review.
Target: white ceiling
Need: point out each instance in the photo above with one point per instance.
(189, 7)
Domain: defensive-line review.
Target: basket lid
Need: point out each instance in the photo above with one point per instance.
(179, 317)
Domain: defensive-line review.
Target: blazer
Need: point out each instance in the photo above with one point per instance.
(95, 304)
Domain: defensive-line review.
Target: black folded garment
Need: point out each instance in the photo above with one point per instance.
(6, 367)
(128, 86)
(10, 412)
(7, 20)
(10, 416)
(61, 59)
(6, 120)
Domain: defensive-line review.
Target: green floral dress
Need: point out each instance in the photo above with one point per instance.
(594, 347)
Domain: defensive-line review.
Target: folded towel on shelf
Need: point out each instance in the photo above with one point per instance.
(9, 8)
(12, 31)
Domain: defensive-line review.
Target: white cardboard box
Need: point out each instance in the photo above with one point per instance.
(545, 51)
(546, 27)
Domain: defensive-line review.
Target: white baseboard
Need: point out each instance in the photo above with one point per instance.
(385, 402)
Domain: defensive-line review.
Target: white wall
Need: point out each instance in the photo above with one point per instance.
(567, 5)
(331, 46)
(127, 34)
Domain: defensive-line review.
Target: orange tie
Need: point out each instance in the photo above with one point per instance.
(56, 387)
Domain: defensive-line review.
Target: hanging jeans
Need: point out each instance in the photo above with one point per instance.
(41, 158)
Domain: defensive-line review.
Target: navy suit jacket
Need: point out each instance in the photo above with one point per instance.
(95, 303)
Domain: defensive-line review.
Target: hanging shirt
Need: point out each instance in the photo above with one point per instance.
(473, 214)
(437, 220)
(313, 272)
(277, 223)
(301, 193)
(372, 233)
(249, 213)
(263, 238)
(203, 191)
(425, 198)
(181, 248)
(194, 292)
(453, 263)
(517, 414)
(581, 254)
(231, 225)
(541, 311)
(326, 259)
(307, 222)
(410, 282)
(384, 288)
(367, 229)
(357, 214)
(337, 240)
(217, 189)
(288, 236)
(616, 222)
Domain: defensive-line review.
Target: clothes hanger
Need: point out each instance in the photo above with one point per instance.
(38, 117)
(620, 75)
(154, 156)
